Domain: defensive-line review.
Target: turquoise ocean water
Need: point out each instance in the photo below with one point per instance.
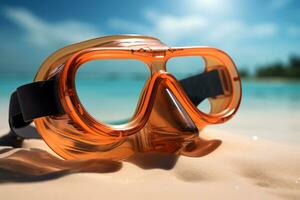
(270, 109)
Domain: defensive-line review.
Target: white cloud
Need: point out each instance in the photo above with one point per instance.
(43, 34)
(294, 31)
(264, 30)
(169, 27)
(177, 28)
(171, 23)
(173, 27)
(129, 26)
(238, 30)
(222, 7)
(278, 4)
(234, 35)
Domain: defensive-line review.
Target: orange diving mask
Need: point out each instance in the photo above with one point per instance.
(167, 115)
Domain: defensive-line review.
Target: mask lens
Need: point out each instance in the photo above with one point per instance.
(109, 90)
(186, 67)
(213, 75)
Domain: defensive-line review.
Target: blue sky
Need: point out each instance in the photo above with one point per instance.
(252, 32)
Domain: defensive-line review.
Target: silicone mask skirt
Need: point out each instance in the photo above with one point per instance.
(165, 119)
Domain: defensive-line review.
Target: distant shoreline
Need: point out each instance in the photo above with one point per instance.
(272, 79)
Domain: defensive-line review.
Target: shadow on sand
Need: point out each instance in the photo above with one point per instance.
(32, 165)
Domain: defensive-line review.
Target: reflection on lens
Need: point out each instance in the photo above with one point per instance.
(109, 90)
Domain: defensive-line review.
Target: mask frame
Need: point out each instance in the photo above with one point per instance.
(74, 133)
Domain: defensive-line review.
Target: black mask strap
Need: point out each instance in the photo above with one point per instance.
(202, 86)
(40, 99)
(30, 101)
(34, 100)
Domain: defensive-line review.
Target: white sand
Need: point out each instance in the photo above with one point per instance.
(241, 168)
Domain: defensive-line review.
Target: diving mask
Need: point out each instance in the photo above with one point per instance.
(167, 117)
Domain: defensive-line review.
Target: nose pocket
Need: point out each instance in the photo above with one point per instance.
(168, 115)
(169, 127)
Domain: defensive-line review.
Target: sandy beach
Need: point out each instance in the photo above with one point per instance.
(241, 168)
